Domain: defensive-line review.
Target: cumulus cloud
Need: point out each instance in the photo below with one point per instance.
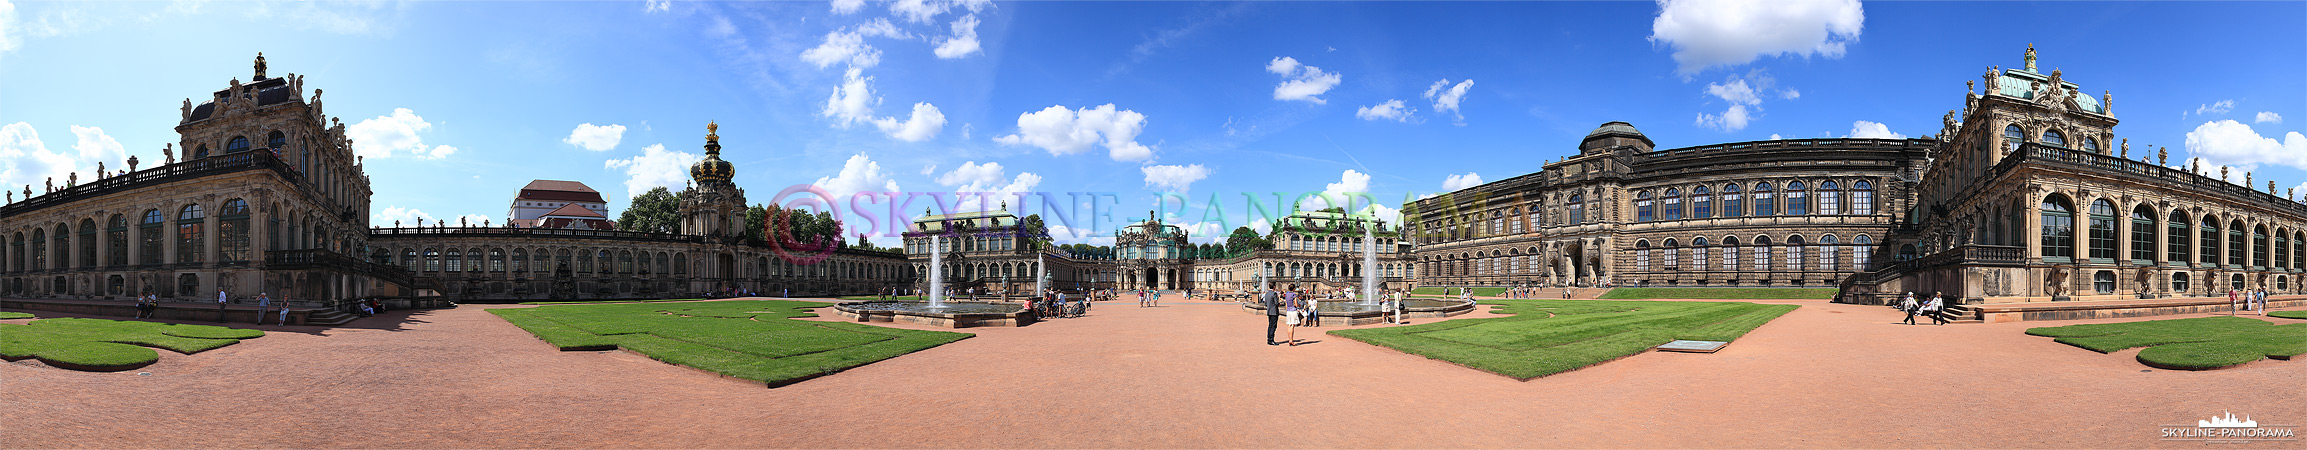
(1789, 94)
(847, 45)
(654, 167)
(859, 174)
(596, 137)
(1382, 212)
(658, 6)
(847, 6)
(2231, 143)
(2217, 107)
(8, 37)
(2269, 117)
(1069, 235)
(1865, 129)
(1446, 96)
(1393, 110)
(1174, 178)
(852, 101)
(1348, 182)
(924, 124)
(25, 160)
(1743, 93)
(963, 42)
(1710, 33)
(1064, 131)
(95, 146)
(1457, 182)
(922, 11)
(971, 173)
(405, 217)
(1301, 82)
(383, 136)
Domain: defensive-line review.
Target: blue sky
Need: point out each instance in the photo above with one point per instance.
(1397, 98)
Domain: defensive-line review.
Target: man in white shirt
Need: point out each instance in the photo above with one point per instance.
(221, 298)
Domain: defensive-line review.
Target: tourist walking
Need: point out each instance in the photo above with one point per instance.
(1937, 303)
(1268, 299)
(2262, 301)
(2233, 301)
(263, 301)
(221, 298)
(1909, 306)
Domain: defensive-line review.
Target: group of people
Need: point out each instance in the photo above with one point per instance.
(2247, 300)
(1294, 306)
(1933, 308)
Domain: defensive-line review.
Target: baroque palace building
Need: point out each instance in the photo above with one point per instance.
(992, 251)
(1316, 249)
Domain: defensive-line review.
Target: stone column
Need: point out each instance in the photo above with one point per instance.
(2033, 234)
(208, 238)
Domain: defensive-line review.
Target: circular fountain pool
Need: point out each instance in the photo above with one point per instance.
(951, 314)
(1357, 313)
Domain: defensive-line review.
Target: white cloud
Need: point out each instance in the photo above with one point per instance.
(2227, 142)
(1709, 33)
(1740, 95)
(405, 217)
(1774, 136)
(382, 136)
(1064, 131)
(848, 45)
(1348, 181)
(996, 194)
(1070, 235)
(25, 160)
(963, 42)
(596, 137)
(1447, 99)
(2269, 117)
(1393, 217)
(859, 174)
(1865, 129)
(658, 6)
(1457, 182)
(1789, 94)
(8, 36)
(1393, 110)
(95, 146)
(2293, 192)
(852, 101)
(1174, 178)
(437, 152)
(971, 173)
(847, 6)
(654, 167)
(1301, 82)
(921, 11)
(925, 122)
(2217, 107)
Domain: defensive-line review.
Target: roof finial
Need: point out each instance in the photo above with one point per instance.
(259, 66)
(712, 131)
(2030, 57)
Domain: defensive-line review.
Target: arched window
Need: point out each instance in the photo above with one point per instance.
(1764, 205)
(2179, 282)
(2054, 138)
(189, 239)
(1797, 200)
(1827, 254)
(276, 141)
(625, 262)
(2283, 250)
(2091, 144)
(1829, 198)
(1733, 203)
(2235, 242)
(1701, 204)
(1671, 257)
(455, 261)
(200, 153)
(2180, 239)
(1642, 255)
(1730, 253)
(1794, 253)
(39, 249)
(2142, 235)
(409, 259)
(2012, 136)
(497, 260)
(432, 260)
(2058, 233)
(236, 145)
(1577, 209)
(2258, 247)
(2103, 281)
(760, 267)
(520, 260)
(1862, 254)
(1642, 208)
(603, 256)
(87, 243)
(584, 263)
(1762, 253)
(1862, 198)
(232, 231)
(116, 241)
(2102, 231)
(1673, 204)
(2208, 253)
(1698, 253)
(148, 237)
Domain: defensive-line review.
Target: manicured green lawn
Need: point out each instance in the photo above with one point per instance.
(1721, 293)
(109, 345)
(2302, 314)
(877, 297)
(750, 339)
(592, 302)
(1453, 291)
(1579, 333)
(15, 315)
(2193, 344)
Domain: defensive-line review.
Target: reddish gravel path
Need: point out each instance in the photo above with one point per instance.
(1189, 374)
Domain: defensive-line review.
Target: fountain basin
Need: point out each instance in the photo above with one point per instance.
(952, 315)
(1356, 313)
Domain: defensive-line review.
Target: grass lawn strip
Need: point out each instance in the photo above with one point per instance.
(749, 339)
(2188, 344)
(1720, 293)
(910, 298)
(1579, 333)
(14, 315)
(596, 302)
(110, 345)
(2302, 314)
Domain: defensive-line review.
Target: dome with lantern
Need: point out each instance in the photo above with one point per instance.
(712, 168)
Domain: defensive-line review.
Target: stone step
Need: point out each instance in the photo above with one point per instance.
(329, 318)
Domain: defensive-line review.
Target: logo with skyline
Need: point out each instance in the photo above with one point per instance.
(2226, 428)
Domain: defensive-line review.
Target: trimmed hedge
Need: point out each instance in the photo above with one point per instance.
(2188, 344)
(1578, 333)
(751, 339)
(110, 345)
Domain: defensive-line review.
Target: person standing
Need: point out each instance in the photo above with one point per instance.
(2262, 301)
(263, 301)
(1937, 303)
(1293, 300)
(1909, 306)
(221, 298)
(2232, 301)
(1271, 301)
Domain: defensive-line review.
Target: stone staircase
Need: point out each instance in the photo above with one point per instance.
(329, 318)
